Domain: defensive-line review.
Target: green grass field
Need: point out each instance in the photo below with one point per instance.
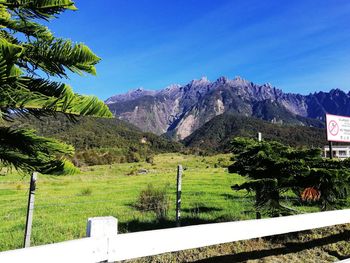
(64, 203)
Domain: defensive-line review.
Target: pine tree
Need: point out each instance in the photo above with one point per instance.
(30, 56)
(272, 169)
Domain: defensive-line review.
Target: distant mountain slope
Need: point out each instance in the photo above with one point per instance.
(180, 110)
(102, 138)
(215, 135)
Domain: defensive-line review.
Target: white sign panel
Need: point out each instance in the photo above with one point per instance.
(338, 128)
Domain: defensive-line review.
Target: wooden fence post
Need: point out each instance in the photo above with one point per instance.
(30, 210)
(178, 195)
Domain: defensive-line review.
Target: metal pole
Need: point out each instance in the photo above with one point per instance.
(329, 142)
(30, 210)
(178, 194)
(257, 194)
(330, 150)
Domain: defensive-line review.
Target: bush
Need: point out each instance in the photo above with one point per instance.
(86, 191)
(150, 159)
(155, 200)
(133, 157)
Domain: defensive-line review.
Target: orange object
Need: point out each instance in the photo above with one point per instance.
(310, 194)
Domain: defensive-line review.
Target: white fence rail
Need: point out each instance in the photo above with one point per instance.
(106, 245)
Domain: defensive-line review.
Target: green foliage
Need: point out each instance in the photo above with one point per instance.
(100, 140)
(215, 136)
(87, 191)
(273, 169)
(206, 197)
(155, 200)
(150, 159)
(29, 53)
(24, 150)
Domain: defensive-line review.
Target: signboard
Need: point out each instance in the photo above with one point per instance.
(338, 128)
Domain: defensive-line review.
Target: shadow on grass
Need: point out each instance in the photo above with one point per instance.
(246, 199)
(137, 225)
(290, 247)
(201, 209)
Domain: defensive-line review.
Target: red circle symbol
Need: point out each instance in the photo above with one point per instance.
(333, 128)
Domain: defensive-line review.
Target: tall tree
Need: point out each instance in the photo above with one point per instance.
(272, 169)
(29, 56)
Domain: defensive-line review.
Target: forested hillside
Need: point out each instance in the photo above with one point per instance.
(215, 135)
(101, 141)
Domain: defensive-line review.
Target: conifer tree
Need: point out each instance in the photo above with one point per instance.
(30, 56)
(272, 169)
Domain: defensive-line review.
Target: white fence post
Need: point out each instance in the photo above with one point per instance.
(103, 228)
(259, 136)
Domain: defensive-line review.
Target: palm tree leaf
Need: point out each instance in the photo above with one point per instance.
(43, 9)
(32, 94)
(56, 56)
(4, 14)
(28, 28)
(26, 151)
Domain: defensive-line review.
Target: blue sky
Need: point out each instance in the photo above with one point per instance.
(299, 46)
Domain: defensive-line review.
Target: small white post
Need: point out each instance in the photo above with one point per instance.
(30, 210)
(178, 194)
(259, 136)
(101, 227)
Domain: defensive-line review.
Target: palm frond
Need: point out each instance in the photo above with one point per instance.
(57, 56)
(43, 9)
(32, 94)
(26, 151)
(23, 91)
(4, 14)
(28, 28)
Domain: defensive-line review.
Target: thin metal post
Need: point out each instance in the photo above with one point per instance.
(330, 150)
(30, 209)
(178, 195)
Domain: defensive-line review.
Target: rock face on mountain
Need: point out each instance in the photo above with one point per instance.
(180, 110)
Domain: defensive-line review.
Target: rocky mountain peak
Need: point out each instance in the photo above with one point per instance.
(221, 80)
(337, 92)
(130, 95)
(173, 87)
(267, 85)
(181, 109)
(200, 82)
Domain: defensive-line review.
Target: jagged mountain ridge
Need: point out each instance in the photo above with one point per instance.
(180, 110)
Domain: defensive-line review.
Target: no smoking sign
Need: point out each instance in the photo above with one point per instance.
(338, 128)
(333, 127)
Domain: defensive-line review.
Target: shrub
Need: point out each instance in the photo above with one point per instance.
(133, 157)
(86, 191)
(155, 200)
(150, 159)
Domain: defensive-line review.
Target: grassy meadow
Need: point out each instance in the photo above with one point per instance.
(64, 203)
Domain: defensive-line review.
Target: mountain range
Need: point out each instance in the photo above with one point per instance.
(179, 110)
